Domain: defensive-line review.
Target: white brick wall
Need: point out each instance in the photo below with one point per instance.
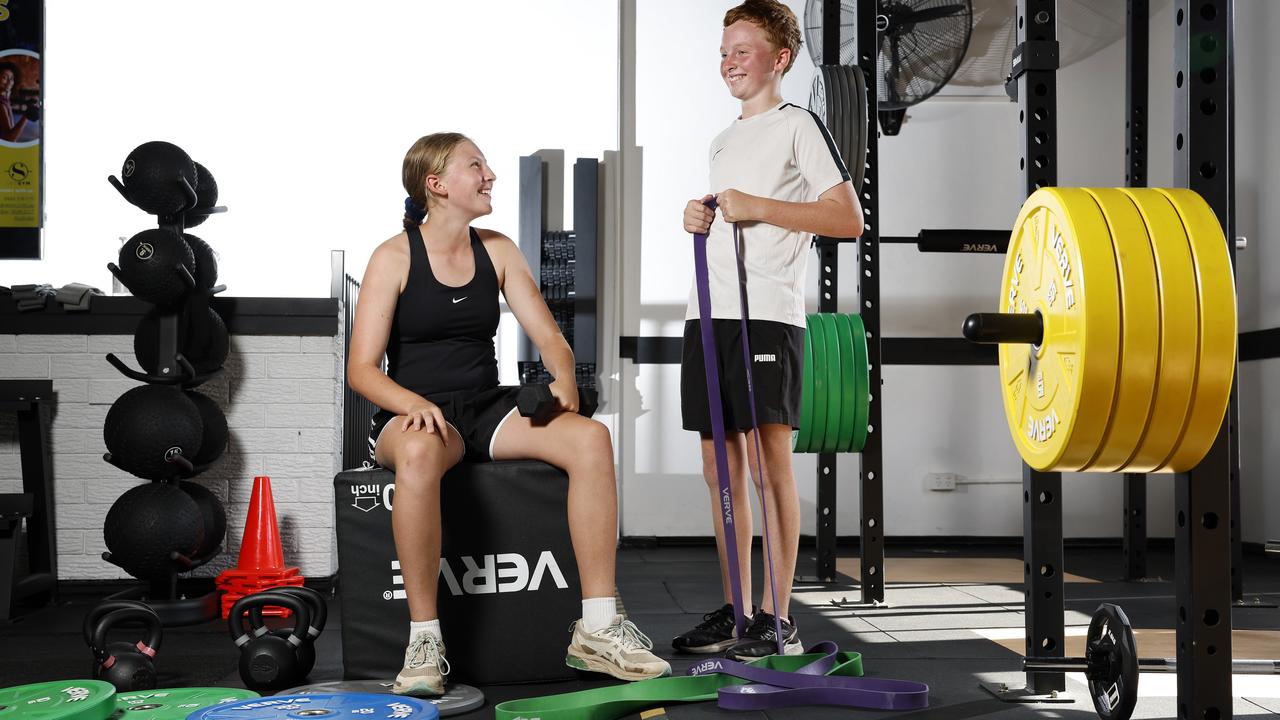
(283, 407)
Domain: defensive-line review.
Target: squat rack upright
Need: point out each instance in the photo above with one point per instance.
(1207, 498)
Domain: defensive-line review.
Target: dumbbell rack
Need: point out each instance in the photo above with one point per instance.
(563, 261)
(1206, 498)
(173, 368)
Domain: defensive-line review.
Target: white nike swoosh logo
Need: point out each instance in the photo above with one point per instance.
(458, 300)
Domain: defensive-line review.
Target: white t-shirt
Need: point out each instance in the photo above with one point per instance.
(784, 153)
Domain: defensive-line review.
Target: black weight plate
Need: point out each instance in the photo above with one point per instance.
(1112, 655)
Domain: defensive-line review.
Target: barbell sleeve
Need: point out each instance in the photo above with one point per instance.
(1004, 328)
(1238, 667)
(1051, 664)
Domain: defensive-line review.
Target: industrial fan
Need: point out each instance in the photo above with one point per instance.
(1083, 28)
(921, 43)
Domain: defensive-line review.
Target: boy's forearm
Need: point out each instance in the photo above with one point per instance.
(822, 217)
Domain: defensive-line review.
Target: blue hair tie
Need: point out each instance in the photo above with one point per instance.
(413, 210)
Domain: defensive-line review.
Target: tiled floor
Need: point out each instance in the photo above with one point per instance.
(950, 621)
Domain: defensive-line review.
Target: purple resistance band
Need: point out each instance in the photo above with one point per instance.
(771, 688)
(717, 426)
(811, 685)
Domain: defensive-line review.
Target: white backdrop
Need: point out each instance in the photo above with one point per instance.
(303, 111)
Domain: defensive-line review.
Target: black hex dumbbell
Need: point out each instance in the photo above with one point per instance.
(537, 402)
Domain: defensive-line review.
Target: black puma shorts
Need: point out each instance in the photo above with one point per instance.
(777, 371)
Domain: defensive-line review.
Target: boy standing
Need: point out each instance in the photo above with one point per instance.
(776, 173)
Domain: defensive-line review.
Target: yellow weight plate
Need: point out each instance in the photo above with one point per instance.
(1179, 330)
(1057, 394)
(1139, 330)
(1217, 291)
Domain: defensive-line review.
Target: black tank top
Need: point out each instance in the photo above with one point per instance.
(441, 336)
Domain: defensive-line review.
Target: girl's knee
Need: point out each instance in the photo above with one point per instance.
(421, 457)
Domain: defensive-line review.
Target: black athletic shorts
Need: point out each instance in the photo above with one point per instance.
(476, 416)
(777, 370)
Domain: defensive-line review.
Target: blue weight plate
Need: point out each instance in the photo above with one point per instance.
(457, 698)
(341, 706)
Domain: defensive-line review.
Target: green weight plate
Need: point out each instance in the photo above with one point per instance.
(800, 438)
(862, 376)
(820, 383)
(848, 384)
(173, 703)
(862, 361)
(63, 700)
(834, 390)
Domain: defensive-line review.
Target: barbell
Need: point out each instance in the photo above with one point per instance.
(1111, 664)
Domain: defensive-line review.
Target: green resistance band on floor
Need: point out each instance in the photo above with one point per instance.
(620, 700)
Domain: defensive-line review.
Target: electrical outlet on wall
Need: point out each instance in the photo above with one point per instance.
(940, 482)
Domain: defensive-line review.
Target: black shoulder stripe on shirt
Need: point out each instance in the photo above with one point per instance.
(831, 144)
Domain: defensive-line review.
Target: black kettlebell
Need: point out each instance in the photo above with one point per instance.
(319, 613)
(267, 661)
(126, 665)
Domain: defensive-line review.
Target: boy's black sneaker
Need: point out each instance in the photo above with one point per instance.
(761, 639)
(712, 635)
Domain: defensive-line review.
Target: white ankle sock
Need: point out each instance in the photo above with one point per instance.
(431, 626)
(597, 613)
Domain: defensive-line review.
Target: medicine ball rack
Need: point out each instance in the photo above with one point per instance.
(173, 368)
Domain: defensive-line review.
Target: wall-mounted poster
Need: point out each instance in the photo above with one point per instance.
(21, 129)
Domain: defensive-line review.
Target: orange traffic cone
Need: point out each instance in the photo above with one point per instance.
(261, 563)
